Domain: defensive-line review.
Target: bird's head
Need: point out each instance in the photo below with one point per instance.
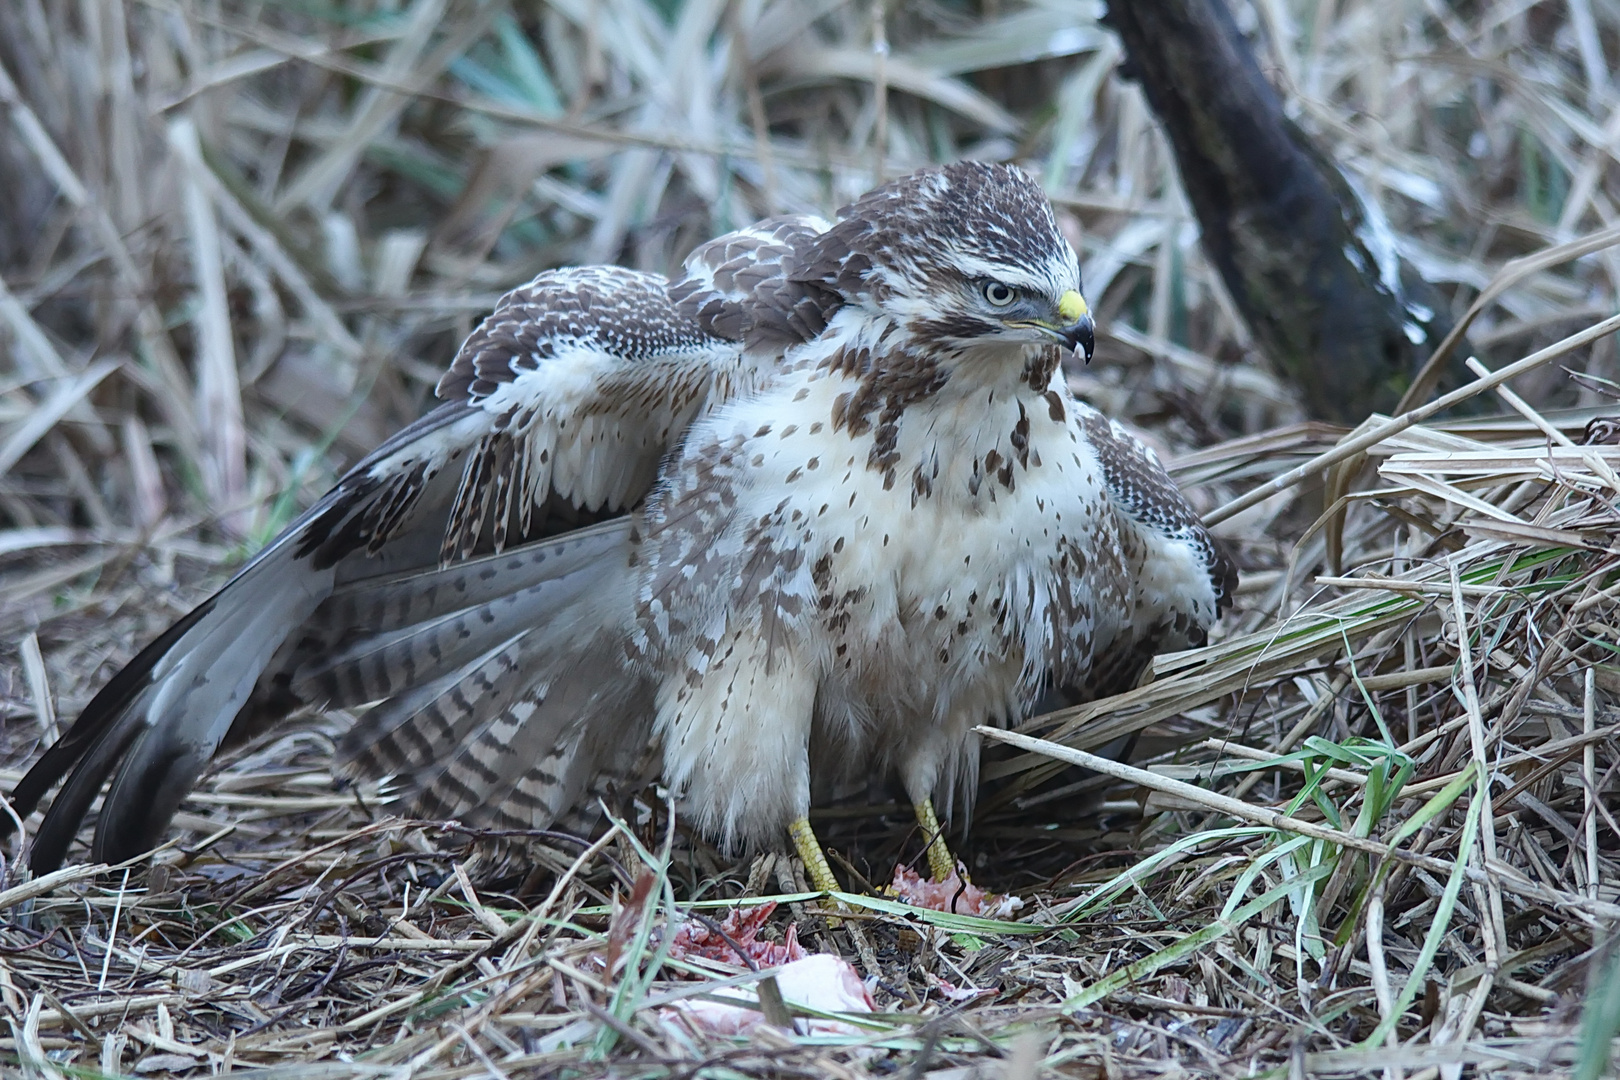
(962, 257)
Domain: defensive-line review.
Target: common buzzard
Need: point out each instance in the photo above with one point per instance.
(819, 507)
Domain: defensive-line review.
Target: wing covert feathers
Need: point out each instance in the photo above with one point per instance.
(589, 375)
(1142, 489)
(741, 287)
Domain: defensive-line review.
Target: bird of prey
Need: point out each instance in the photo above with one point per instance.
(817, 508)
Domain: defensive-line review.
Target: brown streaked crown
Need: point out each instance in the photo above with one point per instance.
(916, 227)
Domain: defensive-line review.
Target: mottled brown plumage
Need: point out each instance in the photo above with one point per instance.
(824, 503)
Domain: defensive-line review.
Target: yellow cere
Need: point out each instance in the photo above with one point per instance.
(1072, 306)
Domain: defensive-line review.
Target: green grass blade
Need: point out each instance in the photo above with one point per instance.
(1437, 930)
(1600, 1024)
(1190, 944)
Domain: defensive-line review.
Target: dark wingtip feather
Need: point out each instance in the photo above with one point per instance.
(157, 774)
(62, 820)
(83, 744)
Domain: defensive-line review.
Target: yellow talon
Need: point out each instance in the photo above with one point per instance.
(939, 856)
(815, 860)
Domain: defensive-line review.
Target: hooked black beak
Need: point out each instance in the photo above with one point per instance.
(1082, 336)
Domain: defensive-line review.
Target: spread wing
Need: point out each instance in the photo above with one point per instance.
(587, 376)
(556, 413)
(590, 375)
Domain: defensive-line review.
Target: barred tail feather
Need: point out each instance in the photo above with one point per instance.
(532, 760)
(511, 740)
(510, 735)
(417, 730)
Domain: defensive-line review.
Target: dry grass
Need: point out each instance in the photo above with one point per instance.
(238, 242)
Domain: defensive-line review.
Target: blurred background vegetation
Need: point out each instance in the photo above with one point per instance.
(239, 241)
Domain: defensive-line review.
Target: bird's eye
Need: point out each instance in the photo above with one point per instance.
(998, 294)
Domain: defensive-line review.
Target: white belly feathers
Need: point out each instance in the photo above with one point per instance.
(903, 604)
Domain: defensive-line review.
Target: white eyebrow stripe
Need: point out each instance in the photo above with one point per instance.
(1020, 277)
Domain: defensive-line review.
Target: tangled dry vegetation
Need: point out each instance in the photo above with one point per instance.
(1369, 830)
